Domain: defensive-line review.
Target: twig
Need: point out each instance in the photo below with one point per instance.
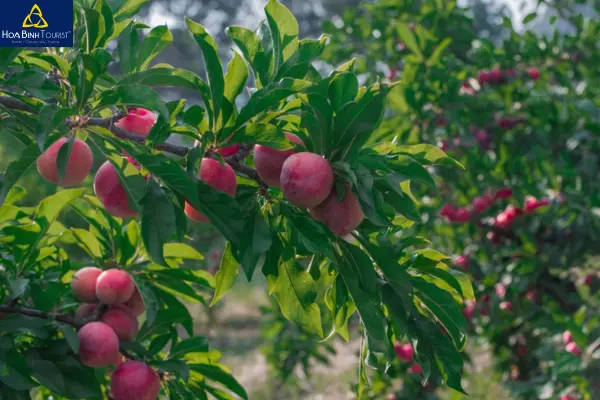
(67, 319)
(235, 161)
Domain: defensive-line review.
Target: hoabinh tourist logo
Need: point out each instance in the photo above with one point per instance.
(35, 15)
(47, 24)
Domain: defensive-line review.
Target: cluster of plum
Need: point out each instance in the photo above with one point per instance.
(112, 304)
(498, 76)
(306, 179)
(405, 353)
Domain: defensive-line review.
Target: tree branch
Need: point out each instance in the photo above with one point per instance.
(235, 161)
(67, 319)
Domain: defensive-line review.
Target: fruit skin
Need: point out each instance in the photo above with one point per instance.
(122, 321)
(567, 337)
(83, 284)
(78, 167)
(469, 309)
(135, 380)
(138, 121)
(567, 397)
(84, 311)
(503, 193)
(534, 74)
(340, 217)
(221, 177)
(269, 161)
(228, 150)
(135, 304)
(98, 345)
(462, 215)
(415, 369)
(480, 204)
(404, 352)
(589, 279)
(506, 306)
(306, 179)
(111, 193)
(463, 262)
(500, 290)
(114, 286)
(573, 348)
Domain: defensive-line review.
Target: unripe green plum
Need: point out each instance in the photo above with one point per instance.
(221, 177)
(306, 179)
(98, 345)
(114, 286)
(78, 167)
(269, 161)
(135, 380)
(83, 284)
(341, 217)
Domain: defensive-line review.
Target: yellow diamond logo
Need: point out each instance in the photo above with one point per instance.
(35, 15)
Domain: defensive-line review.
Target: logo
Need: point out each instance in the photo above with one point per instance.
(36, 23)
(36, 13)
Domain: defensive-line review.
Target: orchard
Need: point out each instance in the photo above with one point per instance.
(401, 184)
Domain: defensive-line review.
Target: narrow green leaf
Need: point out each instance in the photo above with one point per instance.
(251, 48)
(284, 31)
(157, 211)
(134, 95)
(19, 167)
(128, 48)
(227, 274)
(155, 42)
(63, 157)
(212, 62)
(263, 134)
(128, 8)
(236, 77)
(408, 38)
(94, 27)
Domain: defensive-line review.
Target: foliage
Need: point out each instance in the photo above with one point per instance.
(398, 287)
(522, 115)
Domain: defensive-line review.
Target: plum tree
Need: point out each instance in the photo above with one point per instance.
(135, 380)
(98, 345)
(341, 216)
(111, 193)
(78, 166)
(138, 120)
(221, 177)
(122, 321)
(269, 161)
(114, 286)
(83, 284)
(306, 179)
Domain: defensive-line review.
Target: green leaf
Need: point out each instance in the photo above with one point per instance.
(411, 170)
(129, 8)
(94, 28)
(236, 77)
(252, 50)
(444, 307)
(7, 55)
(212, 62)
(316, 118)
(17, 287)
(408, 38)
(182, 250)
(197, 344)
(176, 367)
(219, 374)
(307, 233)
(89, 242)
(529, 17)
(429, 153)
(299, 64)
(109, 20)
(70, 335)
(47, 374)
(434, 59)
(263, 134)
(221, 209)
(19, 167)
(62, 158)
(52, 117)
(365, 300)
(128, 48)
(359, 118)
(284, 32)
(270, 96)
(158, 220)
(255, 244)
(341, 305)
(34, 82)
(88, 70)
(134, 95)
(167, 77)
(155, 42)
(296, 292)
(14, 371)
(343, 89)
(227, 274)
